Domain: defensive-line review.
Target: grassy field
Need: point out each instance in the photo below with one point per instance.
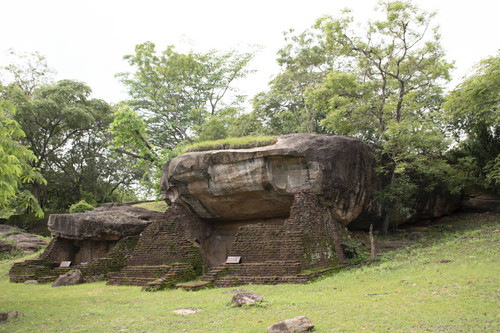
(448, 282)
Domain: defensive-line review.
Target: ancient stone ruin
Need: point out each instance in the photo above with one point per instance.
(271, 214)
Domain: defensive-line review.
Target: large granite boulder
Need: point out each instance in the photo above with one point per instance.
(19, 239)
(257, 183)
(108, 222)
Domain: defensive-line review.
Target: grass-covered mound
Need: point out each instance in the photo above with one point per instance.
(446, 282)
(231, 143)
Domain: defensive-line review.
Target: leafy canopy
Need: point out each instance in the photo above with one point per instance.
(472, 114)
(15, 164)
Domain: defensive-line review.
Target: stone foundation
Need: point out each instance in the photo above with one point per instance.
(46, 269)
(180, 247)
(308, 244)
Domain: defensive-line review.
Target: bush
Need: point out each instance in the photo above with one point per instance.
(80, 207)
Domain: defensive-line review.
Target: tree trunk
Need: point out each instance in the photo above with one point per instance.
(372, 244)
(388, 211)
(37, 192)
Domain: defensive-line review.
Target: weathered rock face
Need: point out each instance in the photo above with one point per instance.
(20, 239)
(246, 298)
(69, 279)
(104, 223)
(251, 184)
(8, 315)
(297, 324)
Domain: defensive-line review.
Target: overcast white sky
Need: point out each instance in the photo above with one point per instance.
(86, 40)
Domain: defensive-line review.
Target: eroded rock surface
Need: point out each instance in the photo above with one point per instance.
(246, 298)
(8, 315)
(19, 239)
(251, 184)
(69, 279)
(108, 223)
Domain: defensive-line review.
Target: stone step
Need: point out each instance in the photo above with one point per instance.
(198, 285)
(232, 281)
(136, 281)
(142, 275)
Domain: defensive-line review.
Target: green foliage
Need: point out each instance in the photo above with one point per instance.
(389, 95)
(175, 93)
(176, 99)
(80, 207)
(284, 108)
(15, 164)
(129, 136)
(246, 124)
(66, 130)
(28, 71)
(471, 112)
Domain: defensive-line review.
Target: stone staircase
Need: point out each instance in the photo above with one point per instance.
(138, 275)
(30, 270)
(270, 272)
(148, 275)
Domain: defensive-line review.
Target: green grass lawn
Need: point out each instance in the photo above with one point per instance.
(448, 282)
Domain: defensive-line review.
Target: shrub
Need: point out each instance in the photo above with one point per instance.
(80, 207)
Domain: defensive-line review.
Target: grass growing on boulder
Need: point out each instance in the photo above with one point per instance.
(446, 282)
(231, 143)
(157, 206)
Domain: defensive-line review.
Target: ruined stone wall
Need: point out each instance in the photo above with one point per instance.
(113, 261)
(59, 249)
(186, 224)
(309, 236)
(309, 240)
(160, 245)
(258, 243)
(46, 270)
(320, 239)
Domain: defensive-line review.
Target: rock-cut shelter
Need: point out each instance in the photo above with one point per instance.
(272, 214)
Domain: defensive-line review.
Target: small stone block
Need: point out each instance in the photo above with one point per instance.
(233, 260)
(65, 264)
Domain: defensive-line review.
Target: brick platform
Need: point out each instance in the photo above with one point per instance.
(309, 244)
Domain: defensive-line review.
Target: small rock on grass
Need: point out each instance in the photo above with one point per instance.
(71, 278)
(8, 315)
(247, 298)
(297, 324)
(31, 282)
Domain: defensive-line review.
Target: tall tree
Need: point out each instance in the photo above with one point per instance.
(53, 118)
(304, 63)
(400, 66)
(381, 82)
(175, 98)
(175, 92)
(28, 71)
(472, 114)
(392, 96)
(15, 164)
